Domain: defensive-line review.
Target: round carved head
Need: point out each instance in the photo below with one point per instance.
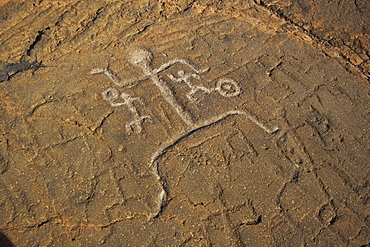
(141, 58)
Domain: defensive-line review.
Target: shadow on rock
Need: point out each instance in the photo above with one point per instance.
(4, 241)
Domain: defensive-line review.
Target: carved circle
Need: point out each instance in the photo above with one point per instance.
(110, 94)
(228, 87)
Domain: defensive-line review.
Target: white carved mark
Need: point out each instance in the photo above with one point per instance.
(226, 87)
(186, 77)
(142, 58)
(108, 73)
(155, 165)
(112, 94)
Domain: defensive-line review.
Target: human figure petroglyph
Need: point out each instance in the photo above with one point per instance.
(225, 86)
(112, 94)
(187, 78)
(142, 59)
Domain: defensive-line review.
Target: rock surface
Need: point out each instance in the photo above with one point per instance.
(184, 123)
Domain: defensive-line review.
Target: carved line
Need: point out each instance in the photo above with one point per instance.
(155, 166)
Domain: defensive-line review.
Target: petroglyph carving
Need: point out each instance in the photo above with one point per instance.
(162, 150)
(112, 94)
(226, 87)
(142, 59)
(186, 77)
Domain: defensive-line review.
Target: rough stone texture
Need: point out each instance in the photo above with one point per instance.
(73, 174)
(342, 26)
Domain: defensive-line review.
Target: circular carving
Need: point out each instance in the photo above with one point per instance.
(110, 94)
(228, 87)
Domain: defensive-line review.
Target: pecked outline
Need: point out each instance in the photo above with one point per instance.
(155, 165)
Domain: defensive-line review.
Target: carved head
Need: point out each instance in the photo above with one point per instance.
(141, 58)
